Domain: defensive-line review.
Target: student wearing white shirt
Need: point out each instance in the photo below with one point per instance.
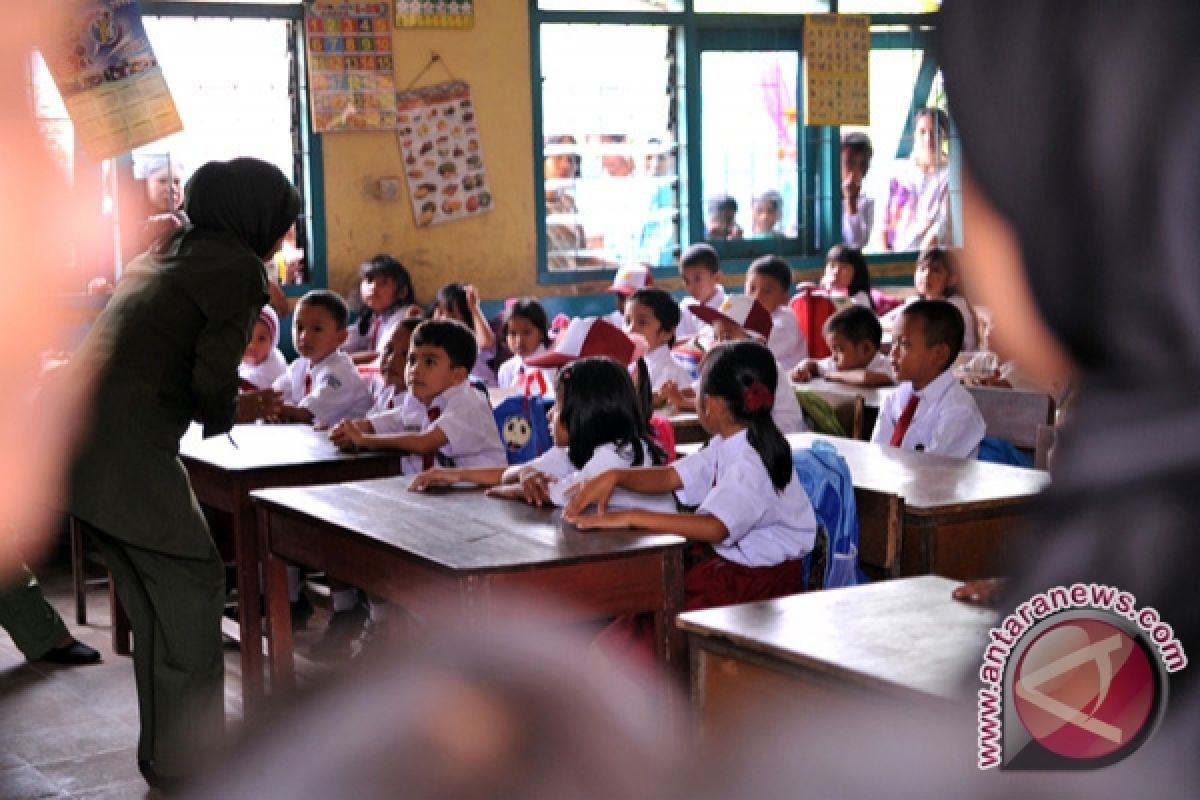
(769, 280)
(262, 363)
(930, 411)
(597, 425)
(527, 332)
(853, 335)
(653, 315)
(389, 388)
(847, 275)
(700, 269)
(858, 209)
(387, 295)
(450, 423)
(935, 278)
(322, 386)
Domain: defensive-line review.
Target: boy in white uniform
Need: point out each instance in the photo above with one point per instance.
(653, 315)
(930, 411)
(769, 281)
(700, 268)
(322, 386)
(450, 423)
(853, 335)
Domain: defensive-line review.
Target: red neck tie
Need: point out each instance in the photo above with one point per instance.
(374, 332)
(307, 383)
(427, 459)
(906, 418)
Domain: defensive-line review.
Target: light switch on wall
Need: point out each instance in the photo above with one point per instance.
(389, 189)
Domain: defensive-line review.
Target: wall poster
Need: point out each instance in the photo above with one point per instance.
(351, 83)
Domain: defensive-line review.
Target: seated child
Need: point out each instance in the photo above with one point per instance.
(936, 279)
(387, 292)
(769, 281)
(460, 302)
(847, 275)
(322, 386)
(446, 420)
(853, 335)
(526, 330)
(653, 315)
(628, 280)
(742, 318)
(751, 509)
(597, 426)
(930, 411)
(700, 268)
(389, 388)
(262, 363)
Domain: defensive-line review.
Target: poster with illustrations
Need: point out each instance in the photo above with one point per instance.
(435, 13)
(837, 48)
(351, 82)
(443, 158)
(109, 79)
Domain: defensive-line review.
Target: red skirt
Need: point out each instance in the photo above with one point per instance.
(708, 584)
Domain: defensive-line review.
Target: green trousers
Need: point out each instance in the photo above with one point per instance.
(34, 625)
(174, 606)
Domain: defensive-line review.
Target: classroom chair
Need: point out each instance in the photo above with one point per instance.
(121, 632)
(1014, 414)
(880, 524)
(1047, 436)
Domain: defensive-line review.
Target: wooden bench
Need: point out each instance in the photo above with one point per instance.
(1014, 414)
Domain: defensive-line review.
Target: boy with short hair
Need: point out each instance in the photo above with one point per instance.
(769, 281)
(700, 268)
(447, 421)
(322, 386)
(930, 411)
(854, 336)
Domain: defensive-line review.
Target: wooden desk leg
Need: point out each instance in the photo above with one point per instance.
(245, 542)
(672, 645)
(280, 661)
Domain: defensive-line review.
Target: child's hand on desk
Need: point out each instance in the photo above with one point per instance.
(670, 395)
(603, 521)
(805, 371)
(595, 491)
(508, 491)
(535, 488)
(266, 405)
(434, 476)
(348, 434)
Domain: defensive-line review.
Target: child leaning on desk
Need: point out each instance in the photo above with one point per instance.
(449, 423)
(598, 423)
(751, 510)
(854, 336)
(930, 411)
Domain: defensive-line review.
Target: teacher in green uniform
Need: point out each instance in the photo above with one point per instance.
(165, 352)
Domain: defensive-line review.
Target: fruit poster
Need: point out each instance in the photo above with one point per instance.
(837, 49)
(443, 158)
(110, 80)
(351, 81)
(435, 13)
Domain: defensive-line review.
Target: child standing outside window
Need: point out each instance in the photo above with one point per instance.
(858, 209)
(527, 332)
(387, 292)
(700, 268)
(769, 281)
(930, 411)
(322, 386)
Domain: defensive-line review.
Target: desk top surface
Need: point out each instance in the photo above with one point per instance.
(267, 447)
(906, 633)
(459, 529)
(931, 483)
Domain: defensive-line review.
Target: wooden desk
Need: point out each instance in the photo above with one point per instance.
(402, 545)
(223, 475)
(688, 429)
(903, 640)
(834, 392)
(958, 512)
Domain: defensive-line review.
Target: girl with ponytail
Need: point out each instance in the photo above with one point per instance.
(753, 522)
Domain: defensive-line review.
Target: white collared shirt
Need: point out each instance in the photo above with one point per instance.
(556, 465)
(472, 439)
(946, 422)
(386, 396)
(727, 479)
(265, 374)
(512, 373)
(338, 392)
(786, 341)
(879, 363)
(856, 228)
(689, 324)
(361, 342)
(786, 410)
(663, 367)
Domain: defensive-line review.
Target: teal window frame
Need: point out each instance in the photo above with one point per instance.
(819, 159)
(309, 160)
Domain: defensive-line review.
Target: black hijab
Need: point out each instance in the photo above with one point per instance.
(247, 197)
(1081, 124)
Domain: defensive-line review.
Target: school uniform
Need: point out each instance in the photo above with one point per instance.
(689, 324)
(786, 341)
(465, 417)
(856, 228)
(512, 374)
(946, 420)
(379, 332)
(483, 368)
(264, 375)
(555, 464)
(786, 410)
(386, 397)
(331, 389)
(879, 363)
(970, 335)
(663, 367)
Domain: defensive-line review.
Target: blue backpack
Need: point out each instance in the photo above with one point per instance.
(1002, 451)
(521, 420)
(825, 477)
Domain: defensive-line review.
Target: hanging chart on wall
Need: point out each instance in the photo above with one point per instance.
(435, 13)
(443, 157)
(109, 79)
(837, 48)
(351, 83)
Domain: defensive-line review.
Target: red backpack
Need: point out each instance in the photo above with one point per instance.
(812, 306)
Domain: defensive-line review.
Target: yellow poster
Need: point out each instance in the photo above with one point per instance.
(837, 88)
(435, 13)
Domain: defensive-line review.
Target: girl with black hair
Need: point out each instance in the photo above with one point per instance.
(460, 302)
(752, 509)
(387, 294)
(846, 271)
(527, 333)
(598, 425)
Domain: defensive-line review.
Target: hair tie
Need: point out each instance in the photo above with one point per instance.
(757, 397)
